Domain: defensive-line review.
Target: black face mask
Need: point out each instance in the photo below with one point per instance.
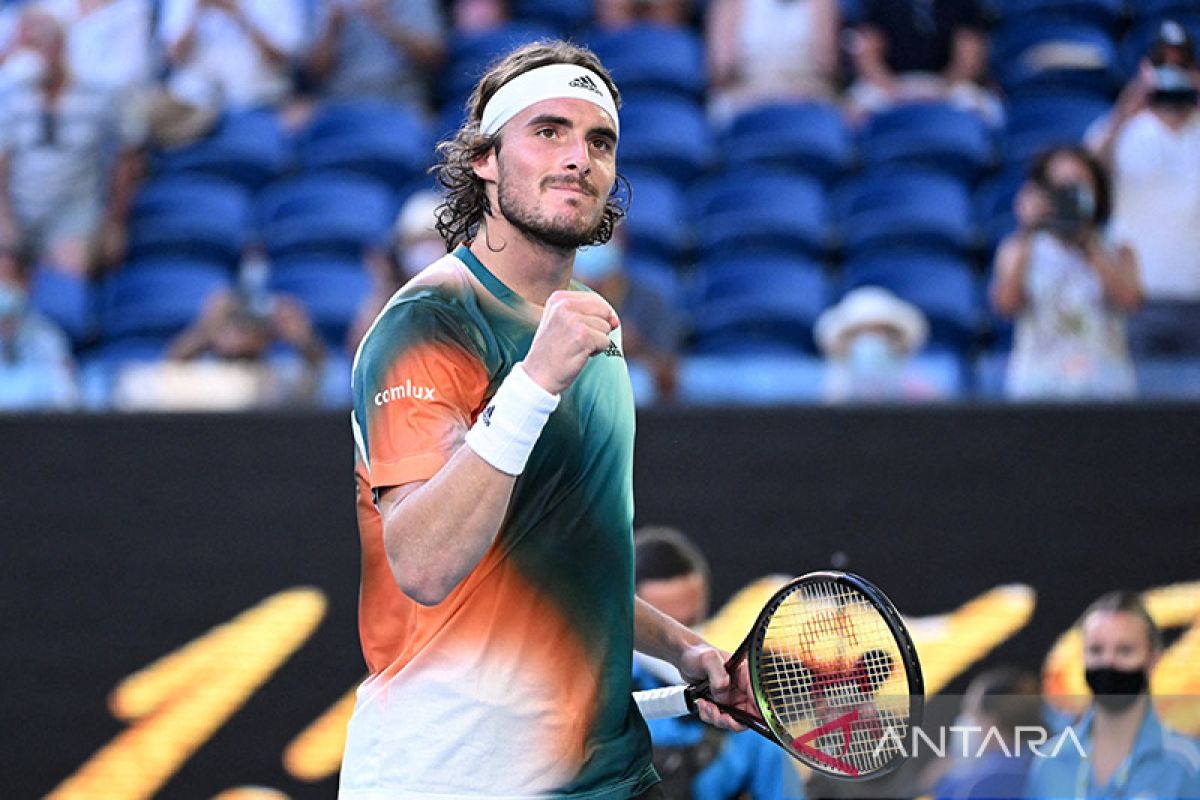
(1116, 689)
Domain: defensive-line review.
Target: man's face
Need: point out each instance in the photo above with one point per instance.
(684, 599)
(554, 170)
(1116, 639)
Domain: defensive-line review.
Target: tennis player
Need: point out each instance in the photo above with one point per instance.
(494, 427)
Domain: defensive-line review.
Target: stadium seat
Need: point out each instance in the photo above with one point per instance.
(1107, 14)
(1162, 378)
(882, 211)
(1055, 56)
(328, 214)
(943, 287)
(933, 136)
(151, 299)
(660, 277)
(768, 379)
(653, 58)
(471, 54)
(1146, 9)
(994, 213)
(568, 17)
(808, 137)
(1037, 123)
(665, 135)
(190, 216)
(331, 290)
(656, 225)
(247, 147)
(387, 141)
(757, 305)
(762, 212)
(66, 299)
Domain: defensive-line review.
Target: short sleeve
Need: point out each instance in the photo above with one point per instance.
(417, 386)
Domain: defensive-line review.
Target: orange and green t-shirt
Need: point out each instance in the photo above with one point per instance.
(518, 683)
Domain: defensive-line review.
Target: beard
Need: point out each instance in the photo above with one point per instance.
(560, 232)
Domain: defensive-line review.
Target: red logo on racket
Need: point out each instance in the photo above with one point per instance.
(842, 723)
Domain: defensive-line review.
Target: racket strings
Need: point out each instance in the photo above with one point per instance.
(833, 676)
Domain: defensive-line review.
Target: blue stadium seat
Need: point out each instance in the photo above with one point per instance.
(882, 211)
(943, 287)
(933, 136)
(994, 212)
(330, 214)
(1055, 56)
(190, 216)
(656, 225)
(660, 277)
(568, 17)
(759, 211)
(66, 299)
(766, 379)
(1157, 9)
(665, 135)
(470, 55)
(809, 137)
(654, 58)
(1107, 14)
(757, 305)
(387, 141)
(247, 147)
(331, 290)
(157, 298)
(1037, 123)
(1163, 378)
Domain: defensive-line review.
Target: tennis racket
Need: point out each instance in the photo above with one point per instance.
(833, 674)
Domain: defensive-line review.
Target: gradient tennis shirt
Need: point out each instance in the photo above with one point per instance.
(518, 683)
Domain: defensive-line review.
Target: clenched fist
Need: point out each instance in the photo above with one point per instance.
(574, 327)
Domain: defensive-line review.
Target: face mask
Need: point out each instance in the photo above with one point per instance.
(12, 301)
(25, 66)
(870, 352)
(420, 255)
(1116, 689)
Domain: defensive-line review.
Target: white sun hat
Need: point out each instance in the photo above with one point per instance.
(867, 306)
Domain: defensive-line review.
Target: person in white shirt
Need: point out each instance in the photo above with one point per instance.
(1151, 142)
(241, 48)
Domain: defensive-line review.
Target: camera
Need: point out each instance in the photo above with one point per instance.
(1072, 208)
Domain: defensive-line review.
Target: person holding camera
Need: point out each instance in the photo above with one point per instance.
(1151, 144)
(1068, 285)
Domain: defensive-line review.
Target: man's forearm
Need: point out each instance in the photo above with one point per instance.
(660, 636)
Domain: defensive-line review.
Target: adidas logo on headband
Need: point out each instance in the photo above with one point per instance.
(585, 82)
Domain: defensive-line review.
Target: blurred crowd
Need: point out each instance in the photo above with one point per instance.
(204, 203)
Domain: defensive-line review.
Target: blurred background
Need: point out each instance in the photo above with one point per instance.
(910, 287)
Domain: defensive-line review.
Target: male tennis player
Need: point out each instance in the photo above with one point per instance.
(494, 427)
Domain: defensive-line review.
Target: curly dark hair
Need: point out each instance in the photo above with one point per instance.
(466, 204)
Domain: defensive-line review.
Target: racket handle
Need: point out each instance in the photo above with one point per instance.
(669, 701)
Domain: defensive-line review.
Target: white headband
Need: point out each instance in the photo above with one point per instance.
(546, 83)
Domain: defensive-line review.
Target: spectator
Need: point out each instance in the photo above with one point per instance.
(473, 17)
(59, 199)
(621, 13)
(1129, 752)
(36, 368)
(651, 330)
(1151, 142)
(108, 41)
(415, 245)
(1068, 285)
(231, 54)
(386, 49)
(914, 50)
(237, 330)
(868, 340)
(763, 51)
(987, 765)
(695, 760)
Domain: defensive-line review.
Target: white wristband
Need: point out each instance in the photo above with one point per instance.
(507, 430)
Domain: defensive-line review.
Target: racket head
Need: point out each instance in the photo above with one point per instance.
(835, 675)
